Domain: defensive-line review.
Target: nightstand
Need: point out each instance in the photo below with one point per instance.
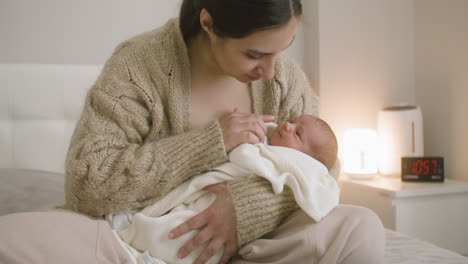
(435, 212)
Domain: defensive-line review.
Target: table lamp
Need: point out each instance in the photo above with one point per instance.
(360, 153)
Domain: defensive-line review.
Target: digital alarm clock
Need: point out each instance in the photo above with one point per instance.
(422, 169)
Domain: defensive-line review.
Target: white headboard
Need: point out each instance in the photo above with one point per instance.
(39, 107)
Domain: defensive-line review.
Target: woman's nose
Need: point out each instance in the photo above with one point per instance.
(268, 68)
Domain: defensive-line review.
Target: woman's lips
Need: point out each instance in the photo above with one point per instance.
(254, 78)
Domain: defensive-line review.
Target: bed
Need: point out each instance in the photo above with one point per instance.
(39, 106)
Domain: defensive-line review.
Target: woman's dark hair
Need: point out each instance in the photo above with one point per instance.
(237, 18)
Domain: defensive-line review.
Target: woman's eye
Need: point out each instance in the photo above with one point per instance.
(253, 57)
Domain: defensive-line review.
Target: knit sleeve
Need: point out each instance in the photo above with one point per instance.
(119, 156)
(258, 210)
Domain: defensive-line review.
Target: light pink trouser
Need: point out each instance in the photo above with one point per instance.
(348, 234)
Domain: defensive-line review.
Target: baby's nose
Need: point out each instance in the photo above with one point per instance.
(289, 126)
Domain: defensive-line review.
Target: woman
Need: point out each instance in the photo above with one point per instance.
(170, 103)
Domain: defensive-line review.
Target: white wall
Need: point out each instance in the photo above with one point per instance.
(310, 49)
(74, 31)
(442, 80)
(374, 53)
(366, 59)
(84, 31)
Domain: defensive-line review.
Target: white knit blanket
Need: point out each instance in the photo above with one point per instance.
(315, 190)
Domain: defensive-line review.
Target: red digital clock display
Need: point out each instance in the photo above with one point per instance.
(422, 169)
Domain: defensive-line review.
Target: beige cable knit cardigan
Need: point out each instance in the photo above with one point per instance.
(133, 142)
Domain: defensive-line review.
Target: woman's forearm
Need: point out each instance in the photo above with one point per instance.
(258, 209)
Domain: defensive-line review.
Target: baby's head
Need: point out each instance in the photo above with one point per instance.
(310, 135)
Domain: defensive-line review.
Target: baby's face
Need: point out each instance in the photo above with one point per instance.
(294, 134)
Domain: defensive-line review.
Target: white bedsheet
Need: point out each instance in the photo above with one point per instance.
(402, 249)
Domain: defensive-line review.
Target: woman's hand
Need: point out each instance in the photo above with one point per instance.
(218, 227)
(241, 128)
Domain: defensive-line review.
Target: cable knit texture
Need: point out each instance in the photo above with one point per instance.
(133, 142)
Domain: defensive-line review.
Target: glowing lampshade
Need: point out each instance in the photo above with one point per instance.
(360, 153)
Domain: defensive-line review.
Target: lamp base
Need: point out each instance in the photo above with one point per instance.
(393, 175)
(361, 176)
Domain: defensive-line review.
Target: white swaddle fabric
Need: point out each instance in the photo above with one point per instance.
(315, 191)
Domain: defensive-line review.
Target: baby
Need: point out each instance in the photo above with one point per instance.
(299, 155)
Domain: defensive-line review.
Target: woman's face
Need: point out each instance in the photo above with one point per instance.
(253, 57)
